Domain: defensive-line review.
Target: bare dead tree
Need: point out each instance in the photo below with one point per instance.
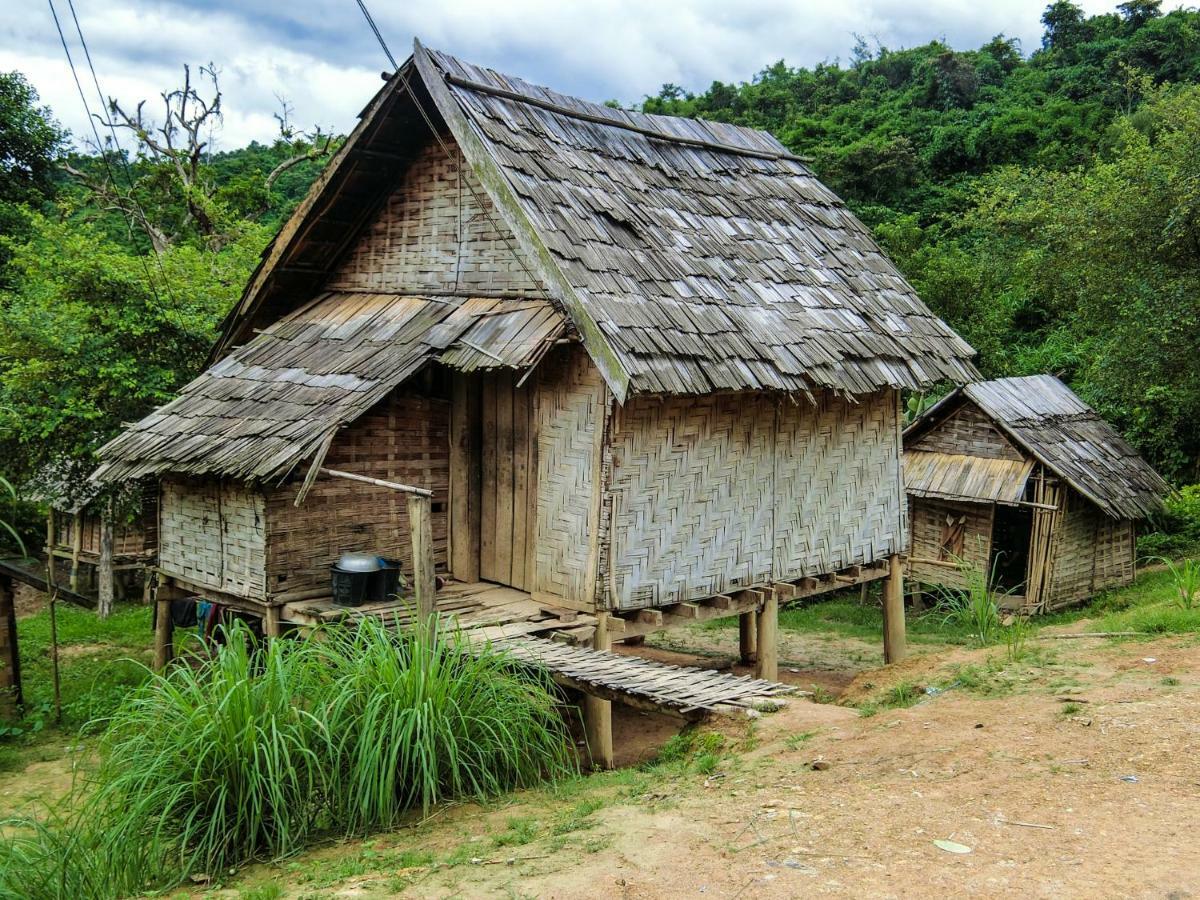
(177, 142)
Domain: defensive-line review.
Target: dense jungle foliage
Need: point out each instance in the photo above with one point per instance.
(1046, 203)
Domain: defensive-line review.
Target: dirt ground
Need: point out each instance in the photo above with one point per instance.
(1081, 779)
(1073, 773)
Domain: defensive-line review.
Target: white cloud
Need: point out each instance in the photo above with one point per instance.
(320, 55)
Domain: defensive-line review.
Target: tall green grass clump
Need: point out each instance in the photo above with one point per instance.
(259, 750)
(417, 719)
(974, 607)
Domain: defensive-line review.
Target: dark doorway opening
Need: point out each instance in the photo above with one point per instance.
(1011, 532)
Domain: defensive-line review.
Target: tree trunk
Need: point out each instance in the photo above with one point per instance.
(104, 602)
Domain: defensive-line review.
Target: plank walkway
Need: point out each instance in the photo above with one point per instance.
(558, 640)
(682, 689)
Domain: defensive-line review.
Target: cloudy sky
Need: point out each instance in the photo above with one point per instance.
(320, 55)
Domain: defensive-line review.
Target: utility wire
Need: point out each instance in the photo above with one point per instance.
(119, 152)
(485, 205)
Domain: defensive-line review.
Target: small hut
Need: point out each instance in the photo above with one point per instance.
(1019, 478)
(87, 540)
(643, 367)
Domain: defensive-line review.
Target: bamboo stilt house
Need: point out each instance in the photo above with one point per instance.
(1020, 478)
(640, 362)
(93, 539)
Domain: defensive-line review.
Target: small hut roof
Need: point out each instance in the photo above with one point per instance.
(1046, 419)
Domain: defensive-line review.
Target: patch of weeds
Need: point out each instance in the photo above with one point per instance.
(793, 741)
(521, 830)
(902, 695)
(1169, 681)
(596, 844)
(706, 763)
(579, 817)
(866, 710)
(262, 892)
(822, 694)
(690, 749)
(460, 855)
(1070, 709)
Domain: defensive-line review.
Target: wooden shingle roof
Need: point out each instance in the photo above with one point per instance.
(708, 258)
(1046, 419)
(278, 400)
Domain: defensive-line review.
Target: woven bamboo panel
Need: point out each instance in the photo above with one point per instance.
(403, 439)
(570, 413)
(1091, 551)
(214, 535)
(969, 432)
(693, 497)
(838, 491)
(930, 519)
(129, 538)
(414, 242)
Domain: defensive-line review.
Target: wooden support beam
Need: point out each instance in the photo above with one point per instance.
(420, 524)
(768, 638)
(597, 712)
(748, 637)
(894, 641)
(11, 698)
(76, 549)
(720, 601)
(164, 628)
(270, 622)
(465, 478)
(104, 571)
(650, 617)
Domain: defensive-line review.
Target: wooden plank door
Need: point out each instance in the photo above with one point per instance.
(509, 490)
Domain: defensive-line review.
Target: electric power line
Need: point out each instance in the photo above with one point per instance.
(104, 156)
(484, 207)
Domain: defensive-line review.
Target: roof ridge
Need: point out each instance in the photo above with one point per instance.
(559, 109)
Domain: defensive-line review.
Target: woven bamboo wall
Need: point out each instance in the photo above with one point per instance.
(129, 538)
(838, 486)
(415, 243)
(930, 521)
(405, 439)
(570, 409)
(715, 493)
(692, 486)
(213, 534)
(971, 433)
(1090, 552)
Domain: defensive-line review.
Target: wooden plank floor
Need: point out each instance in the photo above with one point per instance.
(494, 610)
(558, 640)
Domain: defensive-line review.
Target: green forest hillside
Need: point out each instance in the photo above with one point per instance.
(1046, 203)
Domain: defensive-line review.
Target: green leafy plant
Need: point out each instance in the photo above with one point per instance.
(256, 751)
(1185, 579)
(1016, 633)
(6, 525)
(973, 607)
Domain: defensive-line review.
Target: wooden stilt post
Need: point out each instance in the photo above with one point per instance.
(164, 629)
(748, 637)
(768, 638)
(420, 525)
(271, 626)
(894, 641)
(597, 713)
(50, 549)
(10, 657)
(76, 549)
(104, 573)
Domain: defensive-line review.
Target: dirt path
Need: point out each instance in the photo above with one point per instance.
(1094, 795)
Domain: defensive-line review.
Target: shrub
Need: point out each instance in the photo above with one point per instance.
(973, 608)
(1177, 528)
(253, 753)
(417, 719)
